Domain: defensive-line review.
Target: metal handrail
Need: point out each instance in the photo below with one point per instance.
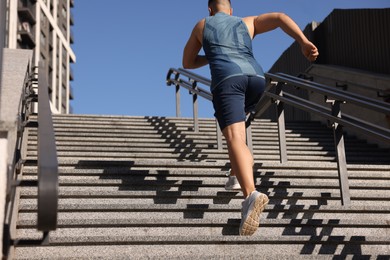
(363, 101)
(360, 125)
(269, 97)
(191, 83)
(276, 82)
(47, 181)
(274, 94)
(47, 160)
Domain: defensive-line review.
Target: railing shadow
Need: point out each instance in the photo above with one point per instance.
(357, 151)
(183, 146)
(304, 220)
(165, 189)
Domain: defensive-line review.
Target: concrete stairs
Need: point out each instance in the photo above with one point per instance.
(149, 187)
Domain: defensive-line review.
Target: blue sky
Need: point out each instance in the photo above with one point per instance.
(125, 48)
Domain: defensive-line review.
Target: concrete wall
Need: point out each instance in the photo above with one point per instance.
(372, 85)
(3, 181)
(3, 134)
(353, 39)
(354, 51)
(13, 70)
(3, 14)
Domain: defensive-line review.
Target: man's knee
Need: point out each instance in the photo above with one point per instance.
(235, 132)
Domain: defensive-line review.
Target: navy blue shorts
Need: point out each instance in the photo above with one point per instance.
(236, 96)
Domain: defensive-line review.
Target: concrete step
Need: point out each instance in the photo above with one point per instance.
(28, 220)
(209, 165)
(212, 181)
(267, 146)
(30, 202)
(172, 196)
(126, 239)
(199, 156)
(299, 250)
(317, 135)
(269, 170)
(207, 154)
(169, 148)
(183, 234)
(191, 214)
(204, 137)
(186, 126)
(182, 154)
(194, 207)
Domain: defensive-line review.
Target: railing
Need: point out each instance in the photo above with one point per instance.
(47, 155)
(191, 84)
(47, 160)
(274, 94)
(334, 96)
(363, 86)
(17, 160)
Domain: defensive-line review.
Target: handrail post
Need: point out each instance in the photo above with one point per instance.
(219, 136)
(177, 95)
(177, 100)
(281, 125)
(249, 140)
(340, 154)
(195, 107)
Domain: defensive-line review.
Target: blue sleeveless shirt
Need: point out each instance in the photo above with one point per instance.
(228, 48)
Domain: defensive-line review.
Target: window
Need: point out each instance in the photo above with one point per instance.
(43, 60)
(64, 13)
(64, 73)
(43, 40)
(26, 27)
(44, 20)
(64, 55)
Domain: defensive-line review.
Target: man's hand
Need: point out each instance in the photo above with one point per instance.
(309, 50)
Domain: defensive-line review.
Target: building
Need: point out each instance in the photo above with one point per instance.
(354, 55)
(45, 27)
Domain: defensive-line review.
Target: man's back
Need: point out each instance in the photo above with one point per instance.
(228, 48)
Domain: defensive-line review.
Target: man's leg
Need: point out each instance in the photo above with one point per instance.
(241, 159)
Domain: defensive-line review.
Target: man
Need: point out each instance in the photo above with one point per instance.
(237, 83)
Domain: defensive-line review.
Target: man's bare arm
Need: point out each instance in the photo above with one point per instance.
(270, 21)
(191, 57)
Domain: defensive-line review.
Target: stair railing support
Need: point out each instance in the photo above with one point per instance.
(249, 140)
(340, 154)
(281, 125)
(219, 136)
(195, 105)
(177, 100)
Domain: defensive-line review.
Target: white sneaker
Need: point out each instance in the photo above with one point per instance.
(252, 207)
(232, 183)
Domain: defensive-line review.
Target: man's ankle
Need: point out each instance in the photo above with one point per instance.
(249, 193)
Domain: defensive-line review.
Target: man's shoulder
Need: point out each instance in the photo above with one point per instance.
(198, 29)
(200, 24)
(249, 19)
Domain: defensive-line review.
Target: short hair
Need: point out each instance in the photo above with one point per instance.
(213, 2)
